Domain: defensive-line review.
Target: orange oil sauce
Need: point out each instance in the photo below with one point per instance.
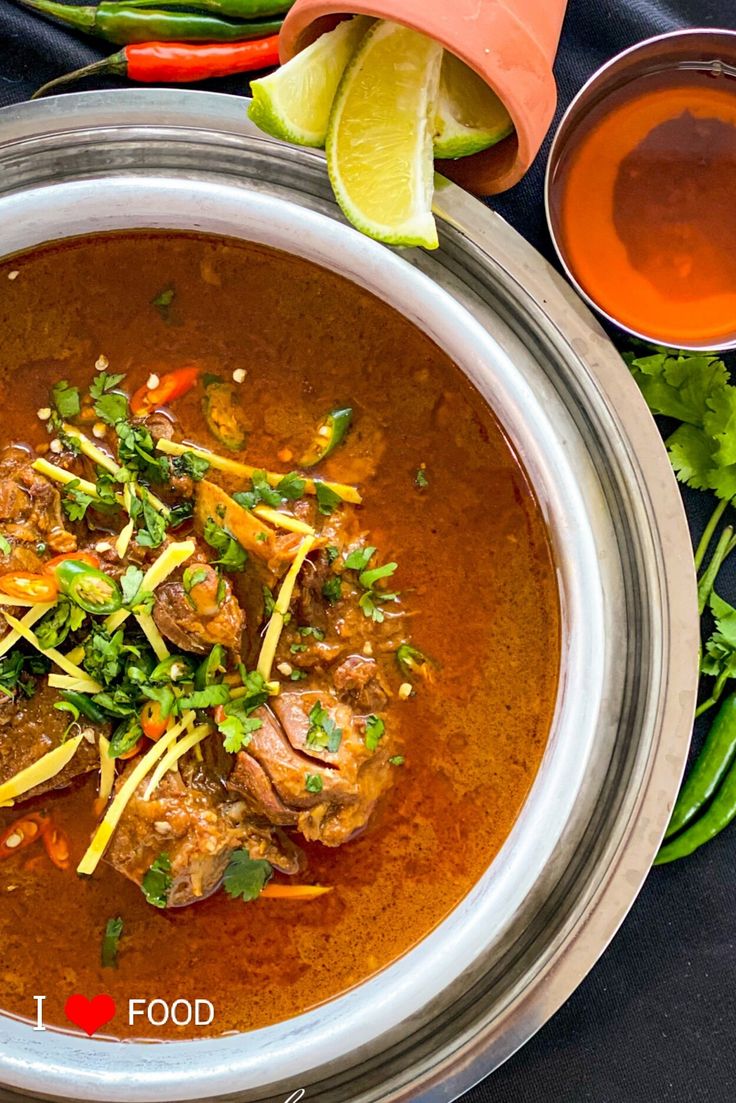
(644, 205)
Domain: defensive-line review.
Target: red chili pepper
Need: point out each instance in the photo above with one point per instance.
(38, 588)
(57, 846)
(80, 557)
(177, 62)
(170, 386)
(22, 833)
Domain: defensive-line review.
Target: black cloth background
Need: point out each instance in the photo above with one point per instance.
(655, 1021)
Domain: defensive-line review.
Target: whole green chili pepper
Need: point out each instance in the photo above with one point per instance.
(719, 815)
(710, 768)
(124, 24)
(234, 9)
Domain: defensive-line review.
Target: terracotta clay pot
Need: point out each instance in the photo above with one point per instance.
(510, 43)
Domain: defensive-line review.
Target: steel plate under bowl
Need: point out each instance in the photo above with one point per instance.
(498, 967)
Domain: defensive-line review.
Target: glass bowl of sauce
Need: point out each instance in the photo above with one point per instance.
(641, 190)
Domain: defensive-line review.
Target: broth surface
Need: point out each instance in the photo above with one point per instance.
(474, 564)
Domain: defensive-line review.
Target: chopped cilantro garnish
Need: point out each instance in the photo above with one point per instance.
(269, 603)
(192, 577)
(163, 301)
(238, 724)
(291, 487)
(374, 730)
(297, 675)
(327, 499)
(421, 482)
(65, 399)
(5, 545)
(206, 698)
(313, 783)
(156, 883)
(232, 556)
(109, 407)
(308, 630)
(137, 453)
(152, 524)
(323, 732)
(297, 648)
(17, 670)
(75, 501)
(397, 760)
(110, 943)
(56, 625)
(332, 553)
(358, 559)
(189, 464)
(245, 877)
(332, 589)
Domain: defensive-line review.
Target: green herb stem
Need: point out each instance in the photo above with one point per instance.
(708, 532)
(707, 580)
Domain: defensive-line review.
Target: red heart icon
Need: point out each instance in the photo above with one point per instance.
(89, 1014)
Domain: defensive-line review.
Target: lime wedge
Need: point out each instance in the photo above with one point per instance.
(294, 103)
(379, 141)
(470, 117)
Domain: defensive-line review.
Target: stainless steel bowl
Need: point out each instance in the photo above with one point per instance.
(499, 966)
(707, 50)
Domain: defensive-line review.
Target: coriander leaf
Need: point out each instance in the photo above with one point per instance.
(152, 532)
(65, 399)
(110, 943)
(75, 501)
(397, 760)
(313, 783)
(368, 579)
(104, 382)
(421, 482)
(297, 675)
(720, 649)
(112, 408)
(232, 557)
(269, 603)
(317, 633)
(679, 385)
(332, 589)
(237, 731)
(297, 648)
(55, 626)
(104, 654)
(720, 424)
(156, 883)
(332, 553)
(291, 487)
(130, 584)
(359, 559)
(137, 453)
(216, 694)
(323, 733)
(691, 456)
(189, 464)
(327, 499)
(5, 545)
(246, 877)
(374, 731)
(163, 300)
(16, 670)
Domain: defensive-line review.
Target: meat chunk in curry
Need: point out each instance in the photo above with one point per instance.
(133, 653)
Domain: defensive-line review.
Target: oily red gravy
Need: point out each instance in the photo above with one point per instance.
(443, 497)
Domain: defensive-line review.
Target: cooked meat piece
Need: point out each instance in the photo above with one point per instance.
(31, 727)
(162, 428)
(30, 506)
(197, 831)
(357, 681)
(271, 774)
(198, 629)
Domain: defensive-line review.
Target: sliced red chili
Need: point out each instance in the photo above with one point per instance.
(22, 833)
(30, 587)
(169, 387)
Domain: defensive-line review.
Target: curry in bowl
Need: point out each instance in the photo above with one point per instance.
(279, 630)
